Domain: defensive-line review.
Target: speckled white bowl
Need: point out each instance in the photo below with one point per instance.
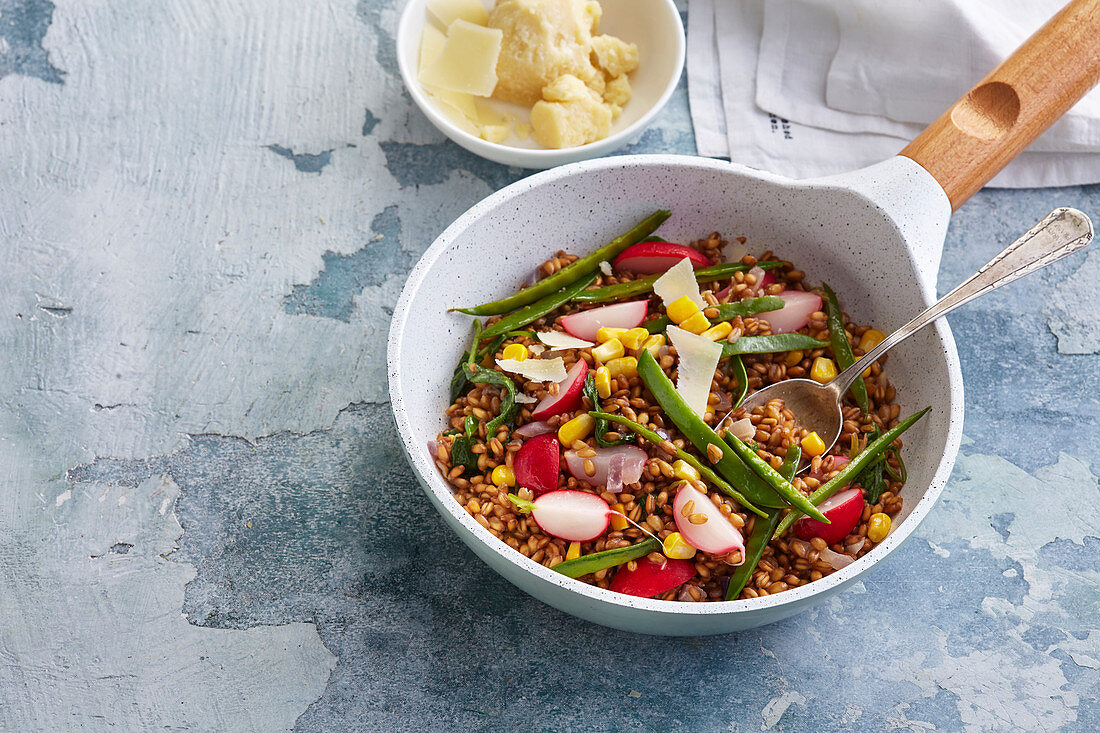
(875, 235)
(654, 25)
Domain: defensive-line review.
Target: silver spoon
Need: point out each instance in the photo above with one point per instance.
(817, 407)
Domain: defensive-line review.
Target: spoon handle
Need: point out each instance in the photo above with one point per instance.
(1062, 232)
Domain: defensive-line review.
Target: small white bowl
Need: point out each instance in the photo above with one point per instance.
(654, 25)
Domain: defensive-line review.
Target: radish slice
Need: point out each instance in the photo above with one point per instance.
(678, 282)
(568, 397)
(536, 464)
(842, 509)
(559, 340)
(633, 461)
(532, 429)
(652, 578)
(538, 370)
(651, 257)
(716, 535)
(743, 429)
(576, 516)
(795, 314)
(698, 360)
(586, 324)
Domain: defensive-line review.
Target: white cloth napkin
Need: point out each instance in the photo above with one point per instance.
(812, 87)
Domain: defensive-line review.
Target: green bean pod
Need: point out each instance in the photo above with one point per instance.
(742, 376)
(726, 311)
(573, 272)
(842, 350)
(732, 468)
(762, 530)
(780, 485)
(642, 285)
(597, 561)
(691, 460)
(771, 344)
(854, 467)
(538, 309)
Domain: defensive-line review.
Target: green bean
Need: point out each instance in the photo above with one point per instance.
(597, 561)
(762, 530)
(842, 350)
(780, 485)
(459, 380)
(854, 467)
(732, 468)
(726, 311)
(642, 285)
(686, 457)
(742, 376)
(538, 309)
(771, 344)
(571, 273)
(589, 390)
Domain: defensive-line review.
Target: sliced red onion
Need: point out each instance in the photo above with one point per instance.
(634, 459)
(432, 448)
(758, 273)
(724, 292)
(532, 429)
(837, 560)
(615, 473)
(743, 429)
(855, 547)
(795, 314)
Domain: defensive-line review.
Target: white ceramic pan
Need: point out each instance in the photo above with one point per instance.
(875, 235)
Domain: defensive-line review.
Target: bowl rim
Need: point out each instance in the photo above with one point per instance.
(429, 477)
(533, 157)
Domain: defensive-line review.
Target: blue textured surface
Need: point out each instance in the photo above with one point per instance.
(986, 619)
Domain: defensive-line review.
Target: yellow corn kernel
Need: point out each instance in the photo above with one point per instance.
(684, 470)
(608, 350)
(603, 383)
(503, 476)
(696, 323)
(606, 333)
(653, 344)
(813, 445)
(718, 331)
(618, 521)
(878, 526)
(574, 551)
(870, 339)
(634, 337)
(624, 366)
(823, 370)
(676, 548)
(515, 351)
(681, 309)
(578, 428)
(792, 358)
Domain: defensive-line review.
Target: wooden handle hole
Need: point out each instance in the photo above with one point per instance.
(987, 112)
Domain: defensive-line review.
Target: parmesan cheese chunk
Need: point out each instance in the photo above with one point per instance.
(677, 282)
(698, 361)
(448, 11)
(615, 56)
(467, 62)
(539, 370)
(570, 114)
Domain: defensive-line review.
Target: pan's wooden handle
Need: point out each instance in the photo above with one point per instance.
(978, 136)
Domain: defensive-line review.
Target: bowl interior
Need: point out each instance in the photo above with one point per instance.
(830, 233)
(654, 25)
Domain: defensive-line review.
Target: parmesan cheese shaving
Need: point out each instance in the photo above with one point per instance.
(698, 360)
(448, 11)
(523, 399)
(559, 340)
(677, 282)
(605, 268)
(468, 61)
(541, 370)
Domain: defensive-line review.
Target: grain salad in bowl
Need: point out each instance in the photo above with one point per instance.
(595, 423)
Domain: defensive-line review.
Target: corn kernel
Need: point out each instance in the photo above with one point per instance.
(634, 337)
(813, 445)
(503, 476)
(870, 339)
(606, 333)
(578, 428)
(624, 366)
(684, 470)
(515, 351)
(823, 370)
(681, 309)
(792, 358)
(608, 350)
(603, 383)
(618, 521)
(718, 331)
(696, 323)
(654, 343)
(676, 548)
(574, 551)
(878, 526)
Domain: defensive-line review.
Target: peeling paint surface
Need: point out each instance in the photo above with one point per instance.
(207, 212)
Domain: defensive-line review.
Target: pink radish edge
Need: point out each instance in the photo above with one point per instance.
(795, 314)
(568, 397)
(717, 535)
(586, 324)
